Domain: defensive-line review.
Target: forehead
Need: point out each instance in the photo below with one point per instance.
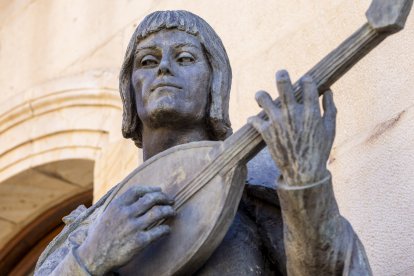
(168, 38)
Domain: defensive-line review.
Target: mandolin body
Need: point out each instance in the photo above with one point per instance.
(201, 222)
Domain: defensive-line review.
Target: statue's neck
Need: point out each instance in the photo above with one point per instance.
(157, 140)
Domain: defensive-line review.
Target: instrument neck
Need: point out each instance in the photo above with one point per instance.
(246, 142)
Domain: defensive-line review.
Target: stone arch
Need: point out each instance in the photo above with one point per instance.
(50, 138)
(56, 121)
(32, 204)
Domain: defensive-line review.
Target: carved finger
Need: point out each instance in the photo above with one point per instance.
(262, 126)
(288, 102)
(265, 101)
(258, 123)
(148, 201)
(310, 98)
(329, 115)
(154, 215)
(285, 89)
(134, 193)
(154, 234)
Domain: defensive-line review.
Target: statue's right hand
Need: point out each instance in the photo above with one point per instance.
(123, 228)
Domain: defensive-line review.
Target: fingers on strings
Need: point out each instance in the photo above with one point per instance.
(311, 106)
(148, 201)
(148, 205)
(136, 192)
(259, 124)
(265, 101)
(286, 92)
(272, 111)
(154, 215)
(154, 233)
(310, 97)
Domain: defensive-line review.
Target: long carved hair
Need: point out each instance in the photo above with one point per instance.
(218, 120)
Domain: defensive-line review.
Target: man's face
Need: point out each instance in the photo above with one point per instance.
(171, 79)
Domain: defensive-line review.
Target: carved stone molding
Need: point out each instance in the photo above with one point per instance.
(62, 119)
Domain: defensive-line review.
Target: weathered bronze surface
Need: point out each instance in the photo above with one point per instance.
(179, 212)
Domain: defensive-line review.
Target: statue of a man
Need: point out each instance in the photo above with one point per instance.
(175, 84)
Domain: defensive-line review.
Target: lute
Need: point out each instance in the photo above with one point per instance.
(207, 178)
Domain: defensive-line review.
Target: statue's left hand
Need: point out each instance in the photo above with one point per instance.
(298, 137)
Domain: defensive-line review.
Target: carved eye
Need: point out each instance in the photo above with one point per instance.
(149, 61)
(185, 58)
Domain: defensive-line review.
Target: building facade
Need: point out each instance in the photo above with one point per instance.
(60, 110)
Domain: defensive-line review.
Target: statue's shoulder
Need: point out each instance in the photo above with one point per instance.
(262, 174)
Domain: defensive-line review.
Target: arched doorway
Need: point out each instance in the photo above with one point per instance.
(32, 204)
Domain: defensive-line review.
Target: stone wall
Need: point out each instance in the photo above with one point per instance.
(60, 60)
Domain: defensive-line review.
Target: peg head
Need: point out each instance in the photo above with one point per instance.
(388, 15)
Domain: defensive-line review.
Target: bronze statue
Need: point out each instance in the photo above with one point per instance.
(175, 84)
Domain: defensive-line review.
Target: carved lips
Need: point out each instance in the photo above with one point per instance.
(165, 84)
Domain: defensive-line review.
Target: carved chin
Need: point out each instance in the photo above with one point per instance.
(167, 114)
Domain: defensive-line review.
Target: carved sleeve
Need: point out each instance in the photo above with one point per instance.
(64, 260)
(318, 240)
(71, 265)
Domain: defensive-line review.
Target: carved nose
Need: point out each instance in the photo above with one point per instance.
(164, 68)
